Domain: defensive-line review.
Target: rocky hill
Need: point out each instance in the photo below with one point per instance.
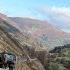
(13, 41)
(27, 45)
(46, 33)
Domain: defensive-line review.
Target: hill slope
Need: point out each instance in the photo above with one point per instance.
(13, 41)
(31, 54)
(43, 31)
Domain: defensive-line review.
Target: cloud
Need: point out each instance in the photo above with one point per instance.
(59, 16)
(62, 11)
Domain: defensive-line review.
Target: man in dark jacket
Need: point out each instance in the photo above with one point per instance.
(3, 59)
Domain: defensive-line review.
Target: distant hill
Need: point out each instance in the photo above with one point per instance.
(46, 33)
(38, 31)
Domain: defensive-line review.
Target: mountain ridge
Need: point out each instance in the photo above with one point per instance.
(41, 29)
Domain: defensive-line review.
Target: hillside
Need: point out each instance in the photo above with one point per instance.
(60, 59)
(46, 33)
(31, 47)
(13, 41)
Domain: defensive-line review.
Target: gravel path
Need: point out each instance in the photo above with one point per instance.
(3, 69)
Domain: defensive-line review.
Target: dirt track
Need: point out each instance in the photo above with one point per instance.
(4, 69)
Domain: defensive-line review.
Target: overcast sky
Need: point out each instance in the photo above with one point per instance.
(57, 12)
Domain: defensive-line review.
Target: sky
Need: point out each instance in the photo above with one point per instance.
(56, 12)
